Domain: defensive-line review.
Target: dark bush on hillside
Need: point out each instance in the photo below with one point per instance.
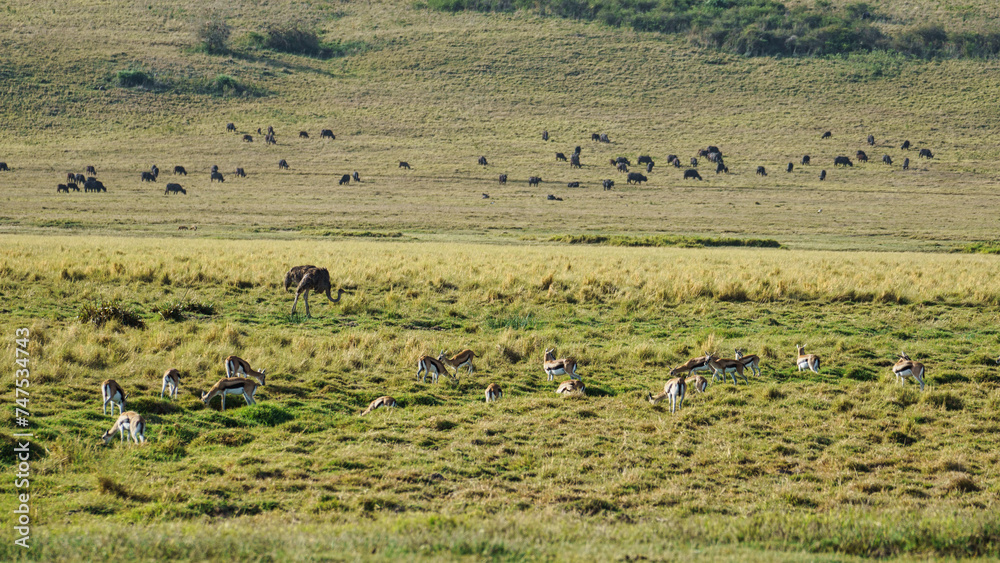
(213, 36)
(298, 40)
(101, 313)
(133, 78)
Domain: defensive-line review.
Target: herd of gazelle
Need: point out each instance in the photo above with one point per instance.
(674, 389)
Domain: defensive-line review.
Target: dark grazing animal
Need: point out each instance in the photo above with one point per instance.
(843, 161)
(148, 177)
(691, 173)
(608, 184)
(174, 189)
(790, 167)
(621, 159)
(861, 156)
(248, 138)
(91, 170)
(503, 178)
(886, 159)
(356, 177)
(622, 167)
(574, 161)
(482, 161)
(604, 138)
(80, 178)
(62, 188)
(871, 140)
(154, 170)
(270, 130)
(303, 134)
(327, 134)
(926, 153)
(545, 135)
(577, 149)
(294, 276)
(404, 164)
(649, 167)
(345, 179)
(282, 164)
(573, 185)
(761, 171)
(316, 280)
(70, 176)
(721, 168)
(231, 127)
(906, 145)
(671, 158)
(217, 176)
(215, 168)
(827, 135)
(73, 186)
(551, 197)
(269, 139)
(94, 185)
(560, 157)
(713, 148)
(644, 160)
(595, 137)
(676, 162)
(534, 180)
(714, 156)
(822, 175)
(694, 162)
(180, 170)
(805, 159)
(240, 173)
(906, 164)
(636, 177)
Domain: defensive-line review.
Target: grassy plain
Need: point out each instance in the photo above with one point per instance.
(794, 466)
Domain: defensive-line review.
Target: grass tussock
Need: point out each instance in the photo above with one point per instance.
(112, 311)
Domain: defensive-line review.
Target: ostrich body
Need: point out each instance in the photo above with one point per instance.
(318, 281)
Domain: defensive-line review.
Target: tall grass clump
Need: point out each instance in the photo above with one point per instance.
(299, 39)
(133, 78)
(212, 35)
(103, 312)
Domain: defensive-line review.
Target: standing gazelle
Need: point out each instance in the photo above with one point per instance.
(232, 386)
(236, 365)
(131, 421)
(384, 401)
(562, 366)
(171, 380)
(463, 358)
(724, 366)
(493, 392)
(429, 365)
(692, 366)
(906, 367)
(751, 361)
(113, 393)
(675, 390)
(806, 361)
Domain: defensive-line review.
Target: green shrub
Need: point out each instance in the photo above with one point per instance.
(101, 313)
(133, 78)
(213, 35)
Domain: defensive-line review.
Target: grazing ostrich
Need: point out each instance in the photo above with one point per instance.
(318, 281)
(294, 276)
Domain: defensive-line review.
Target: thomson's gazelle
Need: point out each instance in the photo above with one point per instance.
(751, 361)
(113, 393)
(906, 367)
(429, 365)
(171, 380)
(698, 382)
(236, 365)
(572, 386)
(807, 361)
(384, 401)
(493, 392)
(463, 358)
(724, 366)
(562, 366)
(232, 386)
(674, 389)
(131, 421)
(692, 366)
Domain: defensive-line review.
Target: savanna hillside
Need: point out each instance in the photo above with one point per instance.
(845, 464)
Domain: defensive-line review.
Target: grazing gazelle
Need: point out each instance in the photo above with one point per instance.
(113, 393)
(463, 358)
(572, 386)
(232, 386)
(562, 366)
(724, 366)
(906, 367)
(806, 361)
(493, 392)
(429, 365)
(171, 380)
(384, 401)
(131, 421)
(698, 382)
(751, 361)
(692, 366)
(674, 389)
(235, 366)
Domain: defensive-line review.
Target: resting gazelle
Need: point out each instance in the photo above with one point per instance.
(384, 401)
(131, 421)
(171, 380)
(493, 392)
(724, 366)
(429, 365)
(806, 361)
(463, 358)
(906, 367)
(232, 386)
(562, 366)
(673, 389)
(572, 386)
(113, 393)
(236, 365)
(751, 361)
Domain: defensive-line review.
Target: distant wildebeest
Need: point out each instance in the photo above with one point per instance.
(649, 167)
(545, 135)
(270, 130)
(691, 173)
(482, 161)
(215, 168)
(174, 189)
(62, 188)
(282, 164)
(180, 170)
(154, 170)
(608, 184)
(91, 170)
(503, 178)
(551, 197)
(805, 159)
(573, 185)
(623, 159)
(595, 137)
(861, 156)
(404, 164)
(871, 140)
(73, 186)
(577, 149)
(217, 176)
(327, 134)
(926, 153)
(248, 138)
(822, 175)
(79, 178)
(303, 134)
(259, 131)
(843, 161)
(148, 177)
(345, 179)
(826, 135)
(644, 160)
(70, 176)
(694, 162)
(713, 148)
(94, 185)
(613, 162)
(269, 139)
(721, 168)
(231, 127)
(714, 156)
(761, 171)
(906, 145)
(356, 177)
(574, 161)
(486, 195)
(560, 157)
(534, 180)
(604, 138)
(636, 177)
(240, 173)
(906, 164)
(671, 158)
(676, 162)
(790, 167)
(622, 167)
(886, 159)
